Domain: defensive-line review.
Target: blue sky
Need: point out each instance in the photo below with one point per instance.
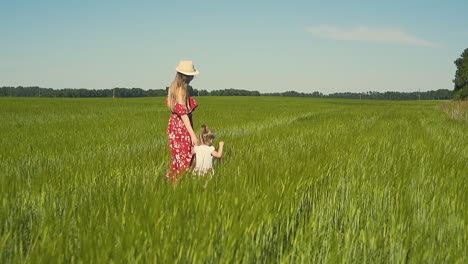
(269, 46)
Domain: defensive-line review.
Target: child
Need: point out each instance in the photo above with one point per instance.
(205, 152)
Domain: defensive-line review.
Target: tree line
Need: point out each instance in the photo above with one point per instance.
(35, 91)
(460, 91)
(441, 94)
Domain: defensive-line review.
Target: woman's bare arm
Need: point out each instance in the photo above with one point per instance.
(186, 120)
(187, 124)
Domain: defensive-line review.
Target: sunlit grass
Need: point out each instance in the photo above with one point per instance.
(457, 110)
(302, 180)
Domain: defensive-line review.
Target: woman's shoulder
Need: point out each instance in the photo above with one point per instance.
(179, 109)
(176, 102)
(181, 106)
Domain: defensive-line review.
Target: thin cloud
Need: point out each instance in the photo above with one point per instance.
(366, 34)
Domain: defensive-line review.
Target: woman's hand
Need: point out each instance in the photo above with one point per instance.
(194, 140)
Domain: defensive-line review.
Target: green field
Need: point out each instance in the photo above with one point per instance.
(302, 180)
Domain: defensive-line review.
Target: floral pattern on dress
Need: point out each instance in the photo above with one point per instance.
(179, 140)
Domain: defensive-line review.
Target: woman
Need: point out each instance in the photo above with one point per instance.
(182, 138)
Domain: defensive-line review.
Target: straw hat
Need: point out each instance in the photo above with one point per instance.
(186, 67)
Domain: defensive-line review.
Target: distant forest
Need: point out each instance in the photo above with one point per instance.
(441, 94)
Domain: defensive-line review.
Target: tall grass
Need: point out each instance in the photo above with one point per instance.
(302, 180)
(457, 110)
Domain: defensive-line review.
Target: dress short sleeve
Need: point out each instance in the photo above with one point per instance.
(180, 109)
(193, 103)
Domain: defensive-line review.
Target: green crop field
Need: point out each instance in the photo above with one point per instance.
(302, 180)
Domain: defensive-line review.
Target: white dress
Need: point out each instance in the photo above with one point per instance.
(204, 159)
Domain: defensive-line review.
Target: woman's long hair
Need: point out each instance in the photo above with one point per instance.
(178, 89)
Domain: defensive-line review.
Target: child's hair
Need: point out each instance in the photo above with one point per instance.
(206, 135)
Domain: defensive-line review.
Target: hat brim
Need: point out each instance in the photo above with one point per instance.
(188, 73)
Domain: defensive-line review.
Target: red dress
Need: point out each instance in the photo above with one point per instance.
(179, 140)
